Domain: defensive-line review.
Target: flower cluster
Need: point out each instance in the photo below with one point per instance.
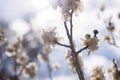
(98, 74)
(2, 38)
(70, 61)
(22, 59)
(111, 27)
(30, 70)
(67, 6)
(49, 40)
(14, 49)
(108, 39)
(56, 66)
(114, 71)
(49, 37)
(92, 43)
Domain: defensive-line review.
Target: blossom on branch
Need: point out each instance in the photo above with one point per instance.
(49, 37)
(98, 74)
(30, 70)
(92, 43)
(22, 59)
(3, 39)
(114, 71)
(70, 60)
(67, 6)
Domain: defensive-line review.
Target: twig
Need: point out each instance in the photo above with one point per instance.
(114, 42)
(70, 38)
(67, 31)
(22, 69)
(64, 45)
(82, 49)
(50, 70)
(71, 25)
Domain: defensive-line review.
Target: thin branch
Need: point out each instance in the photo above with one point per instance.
(64, 45)
(82, 49)
(113, 38)
(22, 69)
(114, 42)
(50, 70)
(67, 31)
(71, 25)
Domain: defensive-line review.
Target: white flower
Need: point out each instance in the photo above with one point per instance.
(10, 51)
(92, 43)
(30, 70)
(49, 37)
(70, 60)
(98, 74)
(3, 39)
(56, 66)
(68, 54)
(22, 59)
(114, 71)
(43, 57)
(46, 49)
(67, 5)
(80, 60)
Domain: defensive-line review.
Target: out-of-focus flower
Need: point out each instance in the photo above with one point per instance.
(102, 8)
(22, 59)
(108, 39)
(2, 38)
(111, 27)
(56, 66)
(14, 49)
(43, 57)
(80, 60)
(92, 43)
(30, 70)
(119, 15)
(10, 51)
(67, 5)
(98, 74)
(114, 71)
(46, 49)
(49, 37)
(70, 60)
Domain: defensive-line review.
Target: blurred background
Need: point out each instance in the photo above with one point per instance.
(27, 19)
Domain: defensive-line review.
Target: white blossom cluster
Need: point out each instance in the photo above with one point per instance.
(114, 71)
(98, 74)
(3, 39)
(30, 70)
(92, 43)
(67, 6)
(49, 40)
(49, 37)
(16, 50)
(25, 67)
(70, 61)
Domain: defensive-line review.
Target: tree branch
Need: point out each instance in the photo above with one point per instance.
(50, 70)
(22, 69)
(71, 25)
(113, 39)
(82, 49)
(64, 45)
(67, 31)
